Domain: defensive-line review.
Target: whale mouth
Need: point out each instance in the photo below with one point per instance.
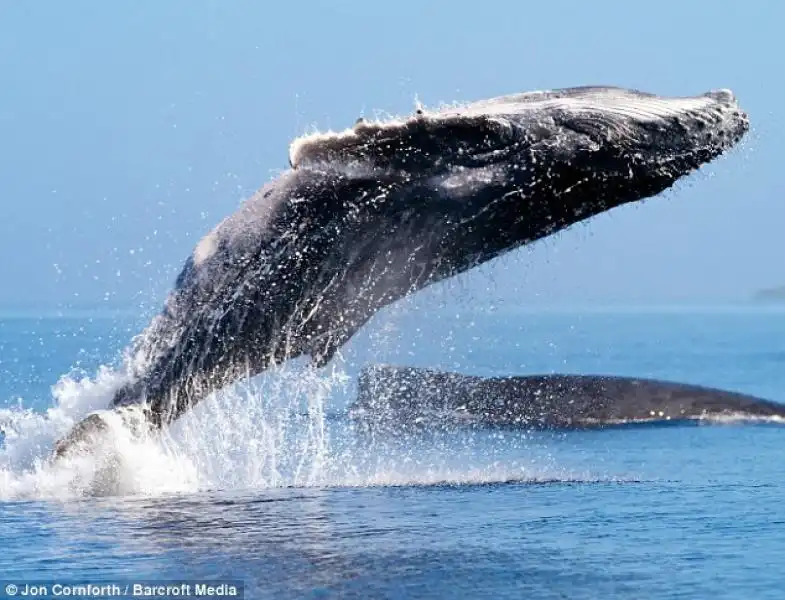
(648, 127)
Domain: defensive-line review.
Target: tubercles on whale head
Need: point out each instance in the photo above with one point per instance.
(722, 95)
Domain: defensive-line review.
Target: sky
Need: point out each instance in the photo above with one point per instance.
(128, 129)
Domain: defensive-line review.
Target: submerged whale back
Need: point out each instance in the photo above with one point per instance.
(401, 396)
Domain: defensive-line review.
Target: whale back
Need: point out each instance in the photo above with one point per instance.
(402, 397)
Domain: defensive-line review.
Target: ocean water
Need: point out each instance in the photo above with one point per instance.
(269, 485)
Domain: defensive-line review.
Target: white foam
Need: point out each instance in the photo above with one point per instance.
(731, 418)
(253, 436)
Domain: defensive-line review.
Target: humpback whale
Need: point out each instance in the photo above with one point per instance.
(366, 216)
(405, 397)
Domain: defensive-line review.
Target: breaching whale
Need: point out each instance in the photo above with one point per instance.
(401, 398)
(366, 216)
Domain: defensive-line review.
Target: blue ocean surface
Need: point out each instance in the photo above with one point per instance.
(270, 484)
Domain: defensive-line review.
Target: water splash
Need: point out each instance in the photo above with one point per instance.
(268, 432)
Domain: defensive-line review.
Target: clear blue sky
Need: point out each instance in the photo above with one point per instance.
(128, 129)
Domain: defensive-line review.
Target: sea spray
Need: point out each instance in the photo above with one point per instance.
(270, 431)
(265, 432)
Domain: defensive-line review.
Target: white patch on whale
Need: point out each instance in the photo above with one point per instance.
(206, 247)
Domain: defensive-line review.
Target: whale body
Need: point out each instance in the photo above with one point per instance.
(369, 215)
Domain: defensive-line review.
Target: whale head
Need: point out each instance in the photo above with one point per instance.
(442, 191)
(557, 156)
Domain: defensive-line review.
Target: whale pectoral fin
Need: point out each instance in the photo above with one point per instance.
(86, 435)
(81, 436)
